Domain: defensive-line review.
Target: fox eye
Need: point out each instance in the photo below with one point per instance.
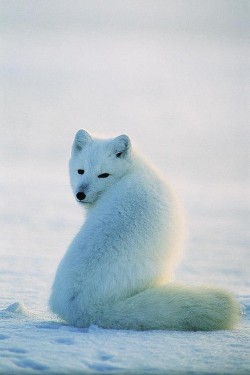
(80, 171)
(104, 175)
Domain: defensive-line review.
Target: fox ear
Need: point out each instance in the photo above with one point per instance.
(121, 146)
(81, 139)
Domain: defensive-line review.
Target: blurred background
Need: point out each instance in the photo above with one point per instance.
(171, 74)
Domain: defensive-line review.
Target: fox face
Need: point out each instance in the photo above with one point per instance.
(97, 164)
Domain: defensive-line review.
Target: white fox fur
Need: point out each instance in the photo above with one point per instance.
(117, 271)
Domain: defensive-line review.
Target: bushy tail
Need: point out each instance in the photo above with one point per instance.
(174, 307)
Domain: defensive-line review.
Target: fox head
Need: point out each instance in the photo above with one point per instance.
(96, 164)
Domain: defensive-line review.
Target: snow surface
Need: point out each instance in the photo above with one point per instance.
(173, 76)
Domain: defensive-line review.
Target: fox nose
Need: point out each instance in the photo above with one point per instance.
(80, 196)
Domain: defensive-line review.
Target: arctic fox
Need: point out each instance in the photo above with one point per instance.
(117, 271)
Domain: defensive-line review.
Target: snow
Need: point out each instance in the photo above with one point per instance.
(68, 349)
(173, 76)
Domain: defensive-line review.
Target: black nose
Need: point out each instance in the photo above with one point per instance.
(81, 196)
